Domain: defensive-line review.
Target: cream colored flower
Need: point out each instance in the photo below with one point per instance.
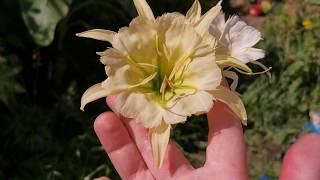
(234, 48)
(163, 70)
(236, 39)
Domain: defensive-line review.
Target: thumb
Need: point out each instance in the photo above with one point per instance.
(302, 160)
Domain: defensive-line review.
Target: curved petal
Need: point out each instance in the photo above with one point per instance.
(232, 100)
(140, 107)
(144, 9)
(194, 13)
(159, 139)
(145, 110)
(248, 54)
(203, 25)
(179, 38)
(93, 93)
(247, 37)
(203, 72)
(171, 117)
(218, 25)
(124, 78)
(120, 81)
(199, 103)
(112, 57)
(138, 41)
(98, 34)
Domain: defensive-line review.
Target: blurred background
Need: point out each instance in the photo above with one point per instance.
(45, 68)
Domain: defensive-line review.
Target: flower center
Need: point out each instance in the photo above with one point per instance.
(168, 69)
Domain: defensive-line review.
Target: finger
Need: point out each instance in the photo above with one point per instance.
(174, 161)
(302, 160)
(121, 149)
(226, 148)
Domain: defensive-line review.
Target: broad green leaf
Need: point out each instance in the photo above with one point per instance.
(42, 16)
(315, 1)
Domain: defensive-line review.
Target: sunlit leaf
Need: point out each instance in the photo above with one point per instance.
(42, 16)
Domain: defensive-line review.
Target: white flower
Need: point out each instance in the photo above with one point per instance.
(163, 70)
(236, 39)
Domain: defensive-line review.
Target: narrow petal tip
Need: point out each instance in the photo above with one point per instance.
(159, 138)
(98, 34)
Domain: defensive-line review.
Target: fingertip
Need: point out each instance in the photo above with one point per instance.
(302, 160)
(226, 145)
(106, 121)
(221, 117)
(116, 141)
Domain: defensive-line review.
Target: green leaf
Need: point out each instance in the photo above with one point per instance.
(42, 16)
(315, 1)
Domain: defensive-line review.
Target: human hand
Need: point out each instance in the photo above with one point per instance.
(128, 147)
(302, 160)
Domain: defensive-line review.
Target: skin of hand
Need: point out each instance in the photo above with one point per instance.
(302, 160)
(127, 145)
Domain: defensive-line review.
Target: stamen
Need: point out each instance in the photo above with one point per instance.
(256, 73)
(147, 65)
(157, 46)
(234, 77)
(230, 61)
(163, 85)
(263, 67)
(144, 81)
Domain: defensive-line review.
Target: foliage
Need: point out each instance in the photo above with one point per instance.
(9, 86)
(278, 109)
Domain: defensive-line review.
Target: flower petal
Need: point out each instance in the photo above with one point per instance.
(194, 13)
(202, 72)
(171, 117)
(140, 107)
(124, 78)
(248, 54)
(178, 37)
(218, 25)
(203, 25)
(112, 57)
(159, 139)
(137, 43)
(98, 34)
(199, 103)
(93, 93)
(118, 81)
(145, 110)
(232, 100)
(121, 77)
(245, 38)
(144, 9)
